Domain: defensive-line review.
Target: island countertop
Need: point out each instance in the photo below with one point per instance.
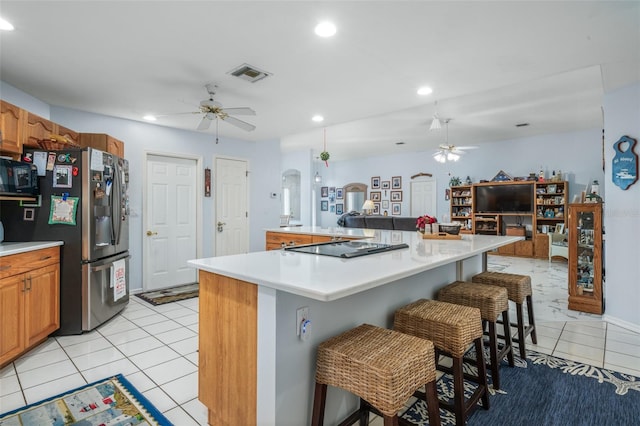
(328, 278)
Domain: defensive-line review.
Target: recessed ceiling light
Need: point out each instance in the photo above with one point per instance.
(425, 90)
(150, 118)
(325, 29)
(5, 25)
(317, 118)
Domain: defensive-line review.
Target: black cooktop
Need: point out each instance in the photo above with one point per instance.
(346, 249)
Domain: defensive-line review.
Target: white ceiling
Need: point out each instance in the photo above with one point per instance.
(492, 64)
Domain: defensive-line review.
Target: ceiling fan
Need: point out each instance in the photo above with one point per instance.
(448, 152)
(212, 109)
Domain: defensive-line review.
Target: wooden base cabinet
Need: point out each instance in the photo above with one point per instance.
(278, 240)
(585, 258)
(29, 301)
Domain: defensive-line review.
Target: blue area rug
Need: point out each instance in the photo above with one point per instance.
(546, 390)
(112, 401)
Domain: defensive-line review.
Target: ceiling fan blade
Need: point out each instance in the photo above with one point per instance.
(239, 111)
(466, 147)
(178, 113)
(204, 123)
(239, 123)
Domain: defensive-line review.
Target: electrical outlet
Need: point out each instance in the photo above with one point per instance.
(301, 315)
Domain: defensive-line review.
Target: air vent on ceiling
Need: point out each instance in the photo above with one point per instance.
(249, 73)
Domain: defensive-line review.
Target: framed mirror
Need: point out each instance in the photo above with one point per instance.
(354, 196)
(291, 194)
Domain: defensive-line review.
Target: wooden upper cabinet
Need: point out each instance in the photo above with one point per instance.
(11, 127)
(70, 135)
(103, 142)
(36, 129)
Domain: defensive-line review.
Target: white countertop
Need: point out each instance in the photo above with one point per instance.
(7, 249)
(328, 278)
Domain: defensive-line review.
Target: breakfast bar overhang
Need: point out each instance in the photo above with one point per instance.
(253, 366)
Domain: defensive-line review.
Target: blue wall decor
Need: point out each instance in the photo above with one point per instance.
(624, 166)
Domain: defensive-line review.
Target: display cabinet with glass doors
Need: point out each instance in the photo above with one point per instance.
(585, 258)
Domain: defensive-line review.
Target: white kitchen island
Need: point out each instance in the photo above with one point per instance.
(254, 369)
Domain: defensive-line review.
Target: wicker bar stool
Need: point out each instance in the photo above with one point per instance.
(383, 367)
(452, 329)
(519, 289)
(492, 301)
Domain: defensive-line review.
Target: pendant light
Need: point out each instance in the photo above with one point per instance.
(435, 124)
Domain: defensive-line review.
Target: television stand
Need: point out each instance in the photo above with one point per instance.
(545, 210)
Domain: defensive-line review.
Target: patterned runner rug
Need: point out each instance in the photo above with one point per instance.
(171, 294)
(546, 390)
(110, 401)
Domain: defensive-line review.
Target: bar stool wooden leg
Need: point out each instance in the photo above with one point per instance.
(532, 322)
(482, 373)
(458, 390)
(319, 400)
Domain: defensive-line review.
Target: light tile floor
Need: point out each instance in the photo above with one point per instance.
(155, 347)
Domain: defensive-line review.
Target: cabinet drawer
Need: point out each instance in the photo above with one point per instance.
(24, 262)
(289, 239)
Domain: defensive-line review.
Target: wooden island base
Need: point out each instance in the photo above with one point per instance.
(227, 358)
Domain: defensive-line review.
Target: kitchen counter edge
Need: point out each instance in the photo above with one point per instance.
(9, 248)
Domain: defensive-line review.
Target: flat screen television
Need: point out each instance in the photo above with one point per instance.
(504, 198)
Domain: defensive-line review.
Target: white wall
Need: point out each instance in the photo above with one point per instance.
(24, 100)
(622, 214)
(577, 154)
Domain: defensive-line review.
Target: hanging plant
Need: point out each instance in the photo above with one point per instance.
(324, 155)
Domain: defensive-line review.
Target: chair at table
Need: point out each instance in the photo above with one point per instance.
(558, 246)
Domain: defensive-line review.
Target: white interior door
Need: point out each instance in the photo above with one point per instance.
(170, 232)
(423, 197)
(232, 221)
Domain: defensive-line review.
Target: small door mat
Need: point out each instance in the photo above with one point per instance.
(171, 294)
(112, 401)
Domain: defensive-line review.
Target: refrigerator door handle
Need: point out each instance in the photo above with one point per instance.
(106, 265)
(115, 205)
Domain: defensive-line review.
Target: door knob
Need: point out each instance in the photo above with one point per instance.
(149, 233)
(220, 225)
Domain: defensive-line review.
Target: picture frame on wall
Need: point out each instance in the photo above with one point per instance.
(396, 182)
(385, 204)
(386, 184)
(339, 208)
(332, 190)
(332, 208)
(375, 196)
(324, 192)
(339, 194)
(324, 205)
(376, 208)
(375, 182)
(396, 196)
(396, 209)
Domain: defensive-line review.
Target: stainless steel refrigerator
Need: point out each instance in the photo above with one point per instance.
(84, 202)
